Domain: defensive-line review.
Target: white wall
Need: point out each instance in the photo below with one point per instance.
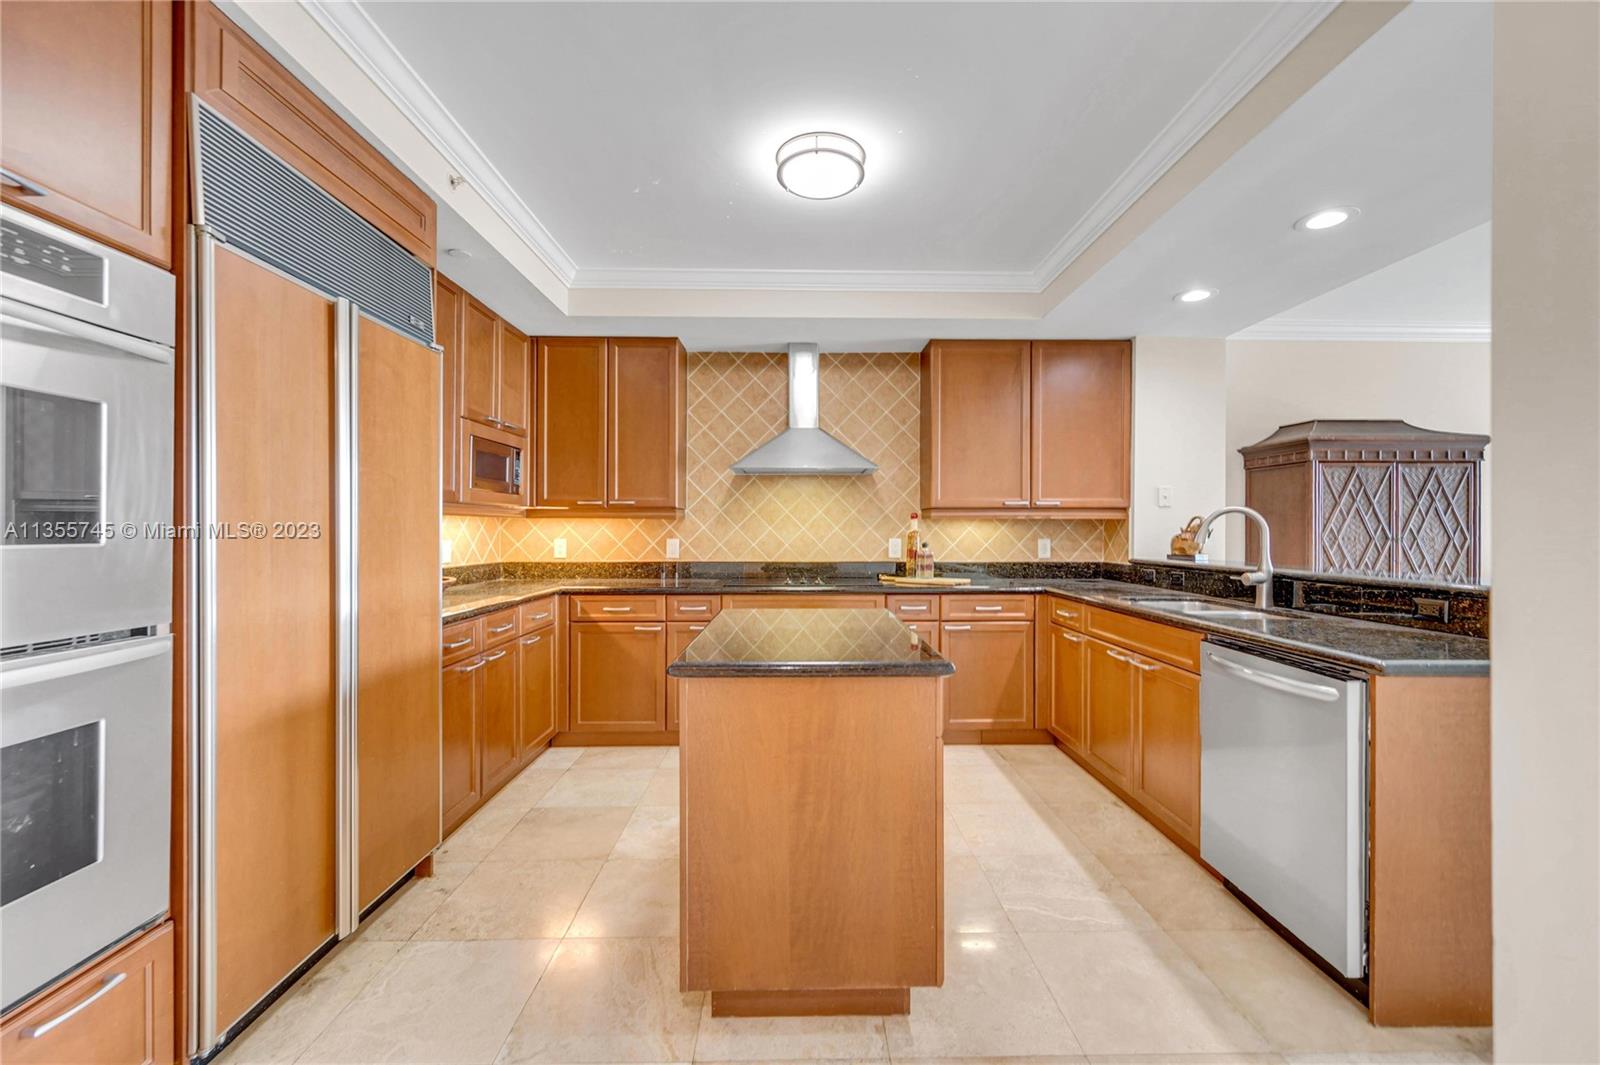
(1432, 385)
(1546, 617)
(1179, 439)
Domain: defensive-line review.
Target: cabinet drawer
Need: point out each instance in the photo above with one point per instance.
(618, 607)
(499, 627)
(118, 1012)
(987, 607)
(915, 607)
(538, 614)
(460, 639)
(693, 607)
(1064, 611)
(1167, 643)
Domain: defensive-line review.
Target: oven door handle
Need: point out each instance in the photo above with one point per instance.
(20, 675)
(39, 318)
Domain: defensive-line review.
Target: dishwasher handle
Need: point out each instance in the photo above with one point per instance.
(1320, 692)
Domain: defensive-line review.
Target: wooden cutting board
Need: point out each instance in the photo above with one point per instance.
(923, 582)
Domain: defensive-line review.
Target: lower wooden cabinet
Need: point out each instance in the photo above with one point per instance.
(536, 669)
(679, 635)
(1108, 739)
(1169, 746)
(929, 631)
(1068, 683)
(460, 782)
(498, 712)
(118, 1011)
(992, 687)
(618, 676)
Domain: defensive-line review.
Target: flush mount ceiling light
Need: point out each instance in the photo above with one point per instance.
(1327, 218)
(1195, 295)
(821, 166)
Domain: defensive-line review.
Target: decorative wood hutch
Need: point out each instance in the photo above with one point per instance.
(1378, 498)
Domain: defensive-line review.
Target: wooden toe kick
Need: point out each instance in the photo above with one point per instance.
(876, 1002)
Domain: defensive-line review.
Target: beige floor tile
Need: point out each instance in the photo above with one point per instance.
(552, 832)
(1297, 1007)
(1403, 1057)
(985, 783)
(1179, 894)
(523, 791)
(622, 758)
(481, 833)
(993, 1002)
(446, 1002)
(284, 1032)
(652, 832)
(404, 911)
(513, 900)
(558, 757)
(630, 898)
(1137, 992)
(1113, 828)
(970, 904)
(598, 787)
(1025, 1059)
(770, 1039)
(1008, 828)
(1185, 1059)
(1061, 893)
(671, 760)
(1063, 784)
(607, 1000)
(1031, 754)
(971, 754)
(955, 844)
(663, 789)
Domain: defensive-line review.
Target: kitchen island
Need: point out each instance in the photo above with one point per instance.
(811, 812)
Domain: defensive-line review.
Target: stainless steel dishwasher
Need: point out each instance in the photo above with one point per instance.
(1283, 794)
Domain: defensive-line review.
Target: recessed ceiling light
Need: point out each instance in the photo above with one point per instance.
(1195, 295)
(1327, 218)
(821, 166)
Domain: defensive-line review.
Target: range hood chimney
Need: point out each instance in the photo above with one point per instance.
(804, 448)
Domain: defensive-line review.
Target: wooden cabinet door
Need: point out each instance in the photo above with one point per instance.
(536, 667)
(86, 105)
(975, 412)
(1068, 682)
(618, 676)
(571, 422)
(1082, 418)
(679, 635)
(497, 717)
(449, 316)
(1109, 724)
(928, 631)
(1169, 746)
(645, 411)
(992, 687)
(480, 357)
(516, 372)
(116, 1012)
(461, 785)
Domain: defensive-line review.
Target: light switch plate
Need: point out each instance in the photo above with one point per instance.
(897, 548)
(1044, 547)
(674, 546)
(559, 545)
(1164, 495)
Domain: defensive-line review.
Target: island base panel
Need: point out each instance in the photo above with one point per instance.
(875, 1002)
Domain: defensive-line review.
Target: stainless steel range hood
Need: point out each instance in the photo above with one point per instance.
(803, 448)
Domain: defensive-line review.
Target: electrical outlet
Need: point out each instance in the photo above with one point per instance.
(1164, 495)
(674, 546)
(897, 548)
(1044, 547)
(560, 546)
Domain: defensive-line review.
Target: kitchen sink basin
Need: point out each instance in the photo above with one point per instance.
(1195, 609)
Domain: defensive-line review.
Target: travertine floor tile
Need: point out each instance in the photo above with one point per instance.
(445, 1002)
(770, 1039)
(558, 757)
(1135, 992)
(971, 754)
(513, 900)
(1031, 754)
(1008, 828)
(1061, 893)
(622, 758)
(1112, 828)
(970, 904)
(284, 1032)
(663, 789)
(652, 832)
(523, 792)
(1179, 894)
(481, 833)
(607, 1000)
(551, 832)
(598, 787)
(983, 783)
(630, 898)
(403, 913)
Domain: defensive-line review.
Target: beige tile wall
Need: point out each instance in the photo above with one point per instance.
(738, 401)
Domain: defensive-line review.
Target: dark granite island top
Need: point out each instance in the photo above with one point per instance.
(777, 642)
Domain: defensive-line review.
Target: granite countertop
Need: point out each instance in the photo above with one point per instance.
(775, 642)
(1365, 645)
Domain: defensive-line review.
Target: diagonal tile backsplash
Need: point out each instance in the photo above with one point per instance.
(737, 401)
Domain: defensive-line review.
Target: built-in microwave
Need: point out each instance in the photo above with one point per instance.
(494, 465)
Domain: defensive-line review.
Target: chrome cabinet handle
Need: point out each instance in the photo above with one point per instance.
(957, 628)
(617, 609)
(457, 643)
(511, 427)
(696, 628)
(624, 502)
(479, 664)
(989, 608)
(1112, 652)
(590, 502)
(1047, 502)
(1015, 502)
(1071, 638)
(1070, 615)
(910, 608)
(540, 617)
(693, 609)
(529, 641)
(28, 188)
(1143, 666)
(111, 981)
(647, 628)
(505, 628)
(494, 657)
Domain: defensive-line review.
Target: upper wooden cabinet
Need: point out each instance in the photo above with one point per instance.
(516, 371)
(1026, 428)
(449, 324)
(610, 421)
(235, 76)
(86, 104)
(480, 364)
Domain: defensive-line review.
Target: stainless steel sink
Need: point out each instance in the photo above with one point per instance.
(1196, 609)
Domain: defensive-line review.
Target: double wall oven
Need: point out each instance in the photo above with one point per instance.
(86, 422)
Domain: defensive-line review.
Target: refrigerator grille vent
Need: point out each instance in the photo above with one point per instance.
(253, 200)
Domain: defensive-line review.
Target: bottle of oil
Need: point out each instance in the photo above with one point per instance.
(913, 538)
(924, 560)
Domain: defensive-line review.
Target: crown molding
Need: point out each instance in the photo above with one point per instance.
(1334, 329)
(807, 280)
(353, 30)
